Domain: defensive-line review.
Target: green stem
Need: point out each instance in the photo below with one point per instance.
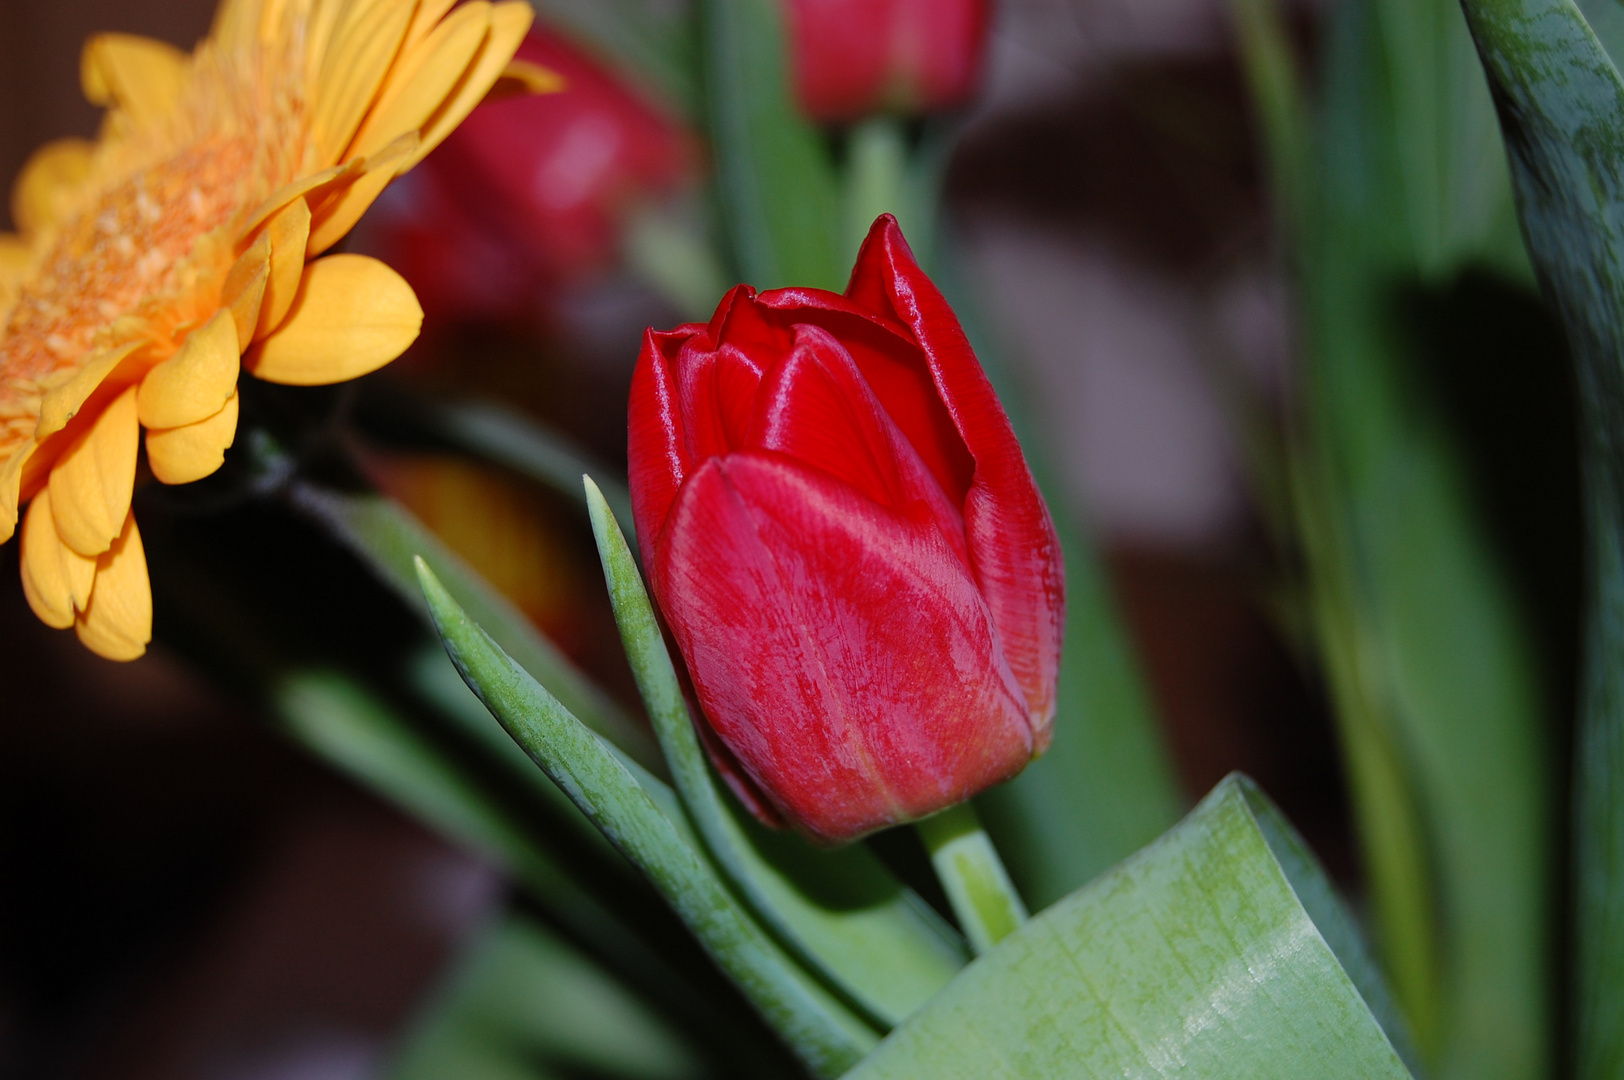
(877, 180)
(977, 885)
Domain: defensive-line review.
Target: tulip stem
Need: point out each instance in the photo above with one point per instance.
(977, 885)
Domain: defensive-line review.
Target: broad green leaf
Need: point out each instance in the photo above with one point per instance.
(524, 1005)
(604, 785)
(1562, 114)
(385, 536)
(777, 188)
(840, 911)
(1219, 951)
(1431, 663)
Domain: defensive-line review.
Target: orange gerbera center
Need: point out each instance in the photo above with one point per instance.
(129, 250)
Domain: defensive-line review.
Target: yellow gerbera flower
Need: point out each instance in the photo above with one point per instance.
(180, 247)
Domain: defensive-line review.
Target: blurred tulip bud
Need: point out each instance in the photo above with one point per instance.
(530, 193)
(849, 548)
(853, 58)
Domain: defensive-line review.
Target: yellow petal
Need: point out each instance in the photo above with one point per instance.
(426, 19)
(290, 235)
(353, 315)
(118, 623)
(521, 78)
(193, 384)
(337, 216)
(510, 21)
(244, 289)
(319, 29)
(43, 193)
(62, 404)
(364, 48)
(11, 481)
(425, 76)
(56, 579)
(92, 482)
(180, 455)
(14, 259)
(141, 76)
(314, 186)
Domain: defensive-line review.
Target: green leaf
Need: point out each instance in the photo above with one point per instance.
(840, 911)
(650, 44)
(1430, 658)
(1562, 115)
(1219, 951)
(524, 1005)
(384, 535)
(604, 785)
(777, 187)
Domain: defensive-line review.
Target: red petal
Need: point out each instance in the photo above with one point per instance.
(841, 651)
(656, 451)
(816, 407)
(1012, 540)
(717, 392)
(895, 368)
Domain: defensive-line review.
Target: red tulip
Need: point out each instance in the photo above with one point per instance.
(848, 546)
(531, 192)
(857, 57)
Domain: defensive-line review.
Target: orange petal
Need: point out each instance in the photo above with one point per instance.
(141, 76)
(92, 482)
(338, 215)
(56, 579)
(118, 623)
(289, 231)
(11, 481)
(62, 404)
(510, 21)
(353, 315)
(180, 455)
(193, 384)
(426, 74)
(43, 193)
(364, 48)
(244, 289)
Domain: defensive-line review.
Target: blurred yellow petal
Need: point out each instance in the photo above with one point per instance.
(139, 75)
(338, 215)
(118, 623)
(244, 290)
(44, 192)
(11, 479)
(289, 232)
(93, 480)
(324, 16)
(364, 48)
(510, 21)
(180, 455)
(62, 404)
(56, 579)
(193, 384)
(425, 20)
(353, 315)
(521, 78)
(425, 76)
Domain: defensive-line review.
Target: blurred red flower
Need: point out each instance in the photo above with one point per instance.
(531, 192)
(853, 58)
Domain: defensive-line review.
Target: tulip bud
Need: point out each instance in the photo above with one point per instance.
(853, 58)
(531, 192)
(844, 537)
